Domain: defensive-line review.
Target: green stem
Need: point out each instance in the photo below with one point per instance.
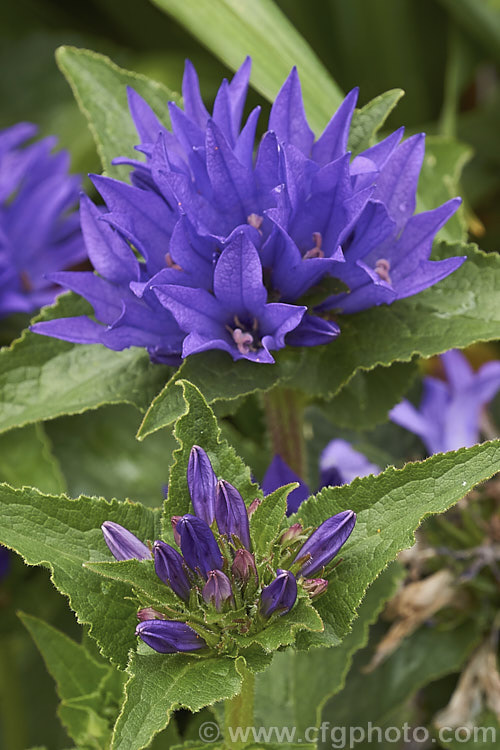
(13, 725)
(284, 410)
(238, 712)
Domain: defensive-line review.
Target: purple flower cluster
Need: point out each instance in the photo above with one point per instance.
(222, 573)
(449, 415)
(216, 243)
(39, 231)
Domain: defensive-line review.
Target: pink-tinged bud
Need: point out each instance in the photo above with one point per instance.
(244, 568)
(292, 533)
(315, 586)
(253, 506)
(148, 613)
(217, 590)
(174, 521)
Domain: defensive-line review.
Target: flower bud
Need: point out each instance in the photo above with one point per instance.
(169, 567)
(280, 595)
(123, 544)
(243, 568)
(174, 521)
(325, 542)
(201, 483)
(198, 545)
(291, 534)
(217, 589)
(148, 613)
(315, 586)
(253, 506)
(231, 513)
(169, 637)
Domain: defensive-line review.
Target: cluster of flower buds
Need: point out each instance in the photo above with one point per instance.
(216, 571)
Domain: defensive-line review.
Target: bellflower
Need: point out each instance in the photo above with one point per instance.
(169, 637)
(201, 481)
(280, 595)
(231, 513)
(277, 475)
(169, 567)
(325, 542)
(198, 545)
(123, 544)
(4, 561)
(340, 463)
(231, 238)
(39, 231)
(449, 414)
(211, 577)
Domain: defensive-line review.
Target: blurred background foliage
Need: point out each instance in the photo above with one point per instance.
(444, 53)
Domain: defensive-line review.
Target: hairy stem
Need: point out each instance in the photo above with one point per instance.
(284, 410)
(239, 713)
(13, 725)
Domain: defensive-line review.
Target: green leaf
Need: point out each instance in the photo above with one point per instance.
(100, 455)
(369, 396)
(198, 426)
(158, 685)
(79, 679)
(267, 521)
(100, 88)
(140, 576)
(42, 378)
(368, 120)
(231, 31)
(457, 312)
(64, 534)
(422, 658)
(26, 459)
(280, 698)
(389, 508)
(439, 181)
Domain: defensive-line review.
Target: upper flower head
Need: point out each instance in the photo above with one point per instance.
(39, 234)
(231, 237)
(449, 414)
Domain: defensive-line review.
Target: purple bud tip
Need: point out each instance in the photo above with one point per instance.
(169, 567)
(325, 542)
(231, 513)
(201, 481)
(315, 586)
(217, 589)
(122, 544)
(169, 637)
(244, 568)
(280, 595)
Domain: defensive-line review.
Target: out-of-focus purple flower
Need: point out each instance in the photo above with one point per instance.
(123, 544)
(243, 567)
(280, 595)
(39, 231)
(231, 513)
(340, 463)
(277, 475)
(201, 481)
(4, 561)
(198, 545)
(325, 542)
(217, 590)
(231, 238)
(169, 637)
(169, 567)
(449, 414)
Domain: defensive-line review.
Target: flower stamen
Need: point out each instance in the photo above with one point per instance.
(382, 268)
(255, 221)
(171, 263)
(316, 251)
